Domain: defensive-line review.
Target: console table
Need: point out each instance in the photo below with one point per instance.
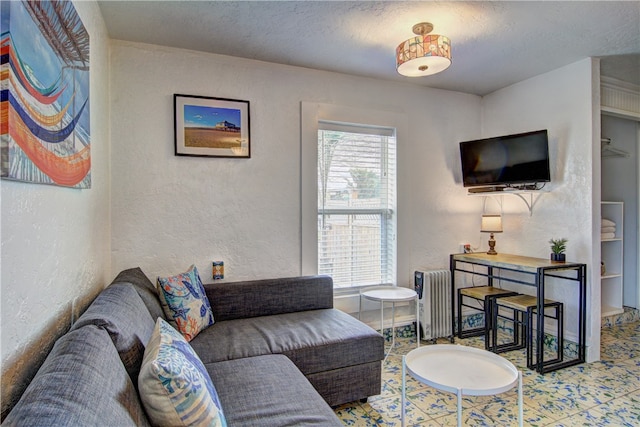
(536, 271)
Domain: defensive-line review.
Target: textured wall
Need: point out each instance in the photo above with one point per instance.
(169, 212)
(562, 102)
(55, 241)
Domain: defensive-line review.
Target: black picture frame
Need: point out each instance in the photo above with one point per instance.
(206, 126)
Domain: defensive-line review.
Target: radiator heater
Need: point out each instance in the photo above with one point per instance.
(434, 291)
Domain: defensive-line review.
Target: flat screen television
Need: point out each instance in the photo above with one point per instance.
(508, 160)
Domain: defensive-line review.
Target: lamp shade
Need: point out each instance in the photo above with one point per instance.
(491, 224)
(423, 55)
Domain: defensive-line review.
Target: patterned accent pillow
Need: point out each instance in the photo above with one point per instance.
(174, 385)
(185, 303)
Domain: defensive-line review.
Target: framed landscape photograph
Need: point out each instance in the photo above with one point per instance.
(211, 127)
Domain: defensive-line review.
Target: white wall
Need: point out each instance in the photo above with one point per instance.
(169, 212)
(619, 183)
(561, 101)
(55, 240)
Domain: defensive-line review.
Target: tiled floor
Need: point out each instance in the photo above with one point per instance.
(596, 394)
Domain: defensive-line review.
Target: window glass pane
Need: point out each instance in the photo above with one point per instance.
(356, 203)
(351, 249)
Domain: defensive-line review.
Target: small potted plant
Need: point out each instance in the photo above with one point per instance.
(558, 246)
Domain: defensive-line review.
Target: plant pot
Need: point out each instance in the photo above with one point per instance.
(558, 257)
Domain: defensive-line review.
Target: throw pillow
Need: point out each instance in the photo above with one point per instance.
(185, 303)
(174, 385)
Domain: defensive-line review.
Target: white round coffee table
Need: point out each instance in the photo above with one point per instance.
(391, 294)
(461, 370)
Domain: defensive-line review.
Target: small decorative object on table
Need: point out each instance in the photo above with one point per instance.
(558, 246)
(491, 224)
(218, 270)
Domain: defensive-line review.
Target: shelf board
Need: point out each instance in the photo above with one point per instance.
(607, 310)
(615, 239)
(611, 276)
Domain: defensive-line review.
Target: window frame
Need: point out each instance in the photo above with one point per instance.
(385, 213)
(311, 114)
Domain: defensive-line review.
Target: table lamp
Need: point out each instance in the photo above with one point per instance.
(491, 224)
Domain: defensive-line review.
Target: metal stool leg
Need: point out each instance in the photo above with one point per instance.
(459, 315)
(560, 315)
(529, 340)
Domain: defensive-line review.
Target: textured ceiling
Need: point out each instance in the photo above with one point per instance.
(494, 44)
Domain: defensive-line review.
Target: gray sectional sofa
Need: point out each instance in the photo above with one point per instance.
(278, 354)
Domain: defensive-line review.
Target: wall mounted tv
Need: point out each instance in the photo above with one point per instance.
(520, 160)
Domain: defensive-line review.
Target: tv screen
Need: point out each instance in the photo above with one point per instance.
(506, 160)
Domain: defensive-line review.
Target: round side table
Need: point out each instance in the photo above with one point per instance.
(461, 370)
(391, 294)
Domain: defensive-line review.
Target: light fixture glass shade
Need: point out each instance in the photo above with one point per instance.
(423, 55)
(491, 224)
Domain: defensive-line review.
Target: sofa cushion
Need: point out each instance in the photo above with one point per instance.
(185, 303)
(144, 287)
(315, 340)
(266, 297)
(122, 313)
(174, 385)
(269, 391)
(82, 382)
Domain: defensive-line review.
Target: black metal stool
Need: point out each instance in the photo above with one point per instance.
(485, 295)
(523, 308)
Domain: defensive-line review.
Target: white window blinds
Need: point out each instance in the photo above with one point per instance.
(356, 204)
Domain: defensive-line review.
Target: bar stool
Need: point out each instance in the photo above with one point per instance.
(485, 295)
(523, 308)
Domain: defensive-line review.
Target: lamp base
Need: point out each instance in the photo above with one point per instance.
(492, 246)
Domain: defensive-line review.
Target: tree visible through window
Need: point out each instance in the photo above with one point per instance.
(356, 204)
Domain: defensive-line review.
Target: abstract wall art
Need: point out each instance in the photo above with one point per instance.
(44, 88)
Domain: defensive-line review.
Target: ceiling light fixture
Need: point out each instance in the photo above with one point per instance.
(424, 54)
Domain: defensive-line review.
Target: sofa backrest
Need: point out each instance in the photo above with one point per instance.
(145, 288)
(82, 382)
(121, 312)
(265, 297)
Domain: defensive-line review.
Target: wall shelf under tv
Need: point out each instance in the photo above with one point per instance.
(529, 197)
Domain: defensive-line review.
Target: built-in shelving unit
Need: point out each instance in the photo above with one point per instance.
(529, 197)
(611, 282)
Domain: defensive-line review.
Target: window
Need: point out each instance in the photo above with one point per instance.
(356, 193)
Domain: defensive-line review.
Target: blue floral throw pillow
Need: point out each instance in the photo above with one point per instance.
(185, 303)
(174, 385)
